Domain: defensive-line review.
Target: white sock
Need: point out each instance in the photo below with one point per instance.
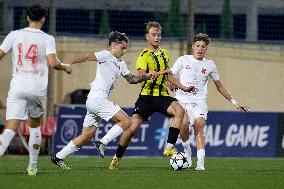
(187, 148)
(200, 154)
(34, 145)
(114, 132)
(200, 158)
(169, 145)
(5, 139)
(68, 149)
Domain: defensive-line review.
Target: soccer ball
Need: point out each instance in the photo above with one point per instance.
(179, 162)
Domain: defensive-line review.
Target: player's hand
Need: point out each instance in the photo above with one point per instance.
(166, 72)
(67, 68)
(190, 89)
(150, 75)
(243, 108)
(154, 75)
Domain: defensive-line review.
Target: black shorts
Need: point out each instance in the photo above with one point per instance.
(146, 105)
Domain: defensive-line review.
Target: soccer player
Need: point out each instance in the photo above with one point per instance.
(154, 96)
(110, 66)
(33, 50)
(194, 70)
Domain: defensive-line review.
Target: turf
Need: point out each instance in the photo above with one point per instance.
(148, 173)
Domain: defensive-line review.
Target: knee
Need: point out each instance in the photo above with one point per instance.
(179, 112)
(87, 136)
(198, 132)
(131, 132)
(125, 124)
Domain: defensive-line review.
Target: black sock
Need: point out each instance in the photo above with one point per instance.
(120, 151)
(173, 135)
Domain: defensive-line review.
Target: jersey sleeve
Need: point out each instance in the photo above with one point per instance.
(50, 46)
(124, 69)
(101, 55)
(141, 62)
(214, 75)
(177, 66)
(7, 43)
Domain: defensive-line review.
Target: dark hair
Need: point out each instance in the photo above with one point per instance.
(153, 24)
(36, 12)
(117, 37)
(202, 37)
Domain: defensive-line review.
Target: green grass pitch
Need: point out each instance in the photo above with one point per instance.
(148, 173)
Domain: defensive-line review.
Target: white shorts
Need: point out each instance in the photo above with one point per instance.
(97, 109)
(21, 104)
(195, 109)
(190, 114)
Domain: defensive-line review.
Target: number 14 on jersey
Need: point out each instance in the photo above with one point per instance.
(31, 54)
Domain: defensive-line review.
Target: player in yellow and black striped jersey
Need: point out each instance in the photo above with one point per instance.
(154, 61)
(154, 96)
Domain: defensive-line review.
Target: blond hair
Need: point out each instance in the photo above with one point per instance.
(153, 24)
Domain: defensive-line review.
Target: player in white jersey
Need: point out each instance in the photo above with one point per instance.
(32, 52)
(194, 70)
(110, 66)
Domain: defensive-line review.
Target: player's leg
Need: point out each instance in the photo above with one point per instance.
(8, 134)
(90, 125)
(73, 146)
(184, 135)
(34, 144)
(142, 110)
(122, 121)
(16, 111)
(36, 108)
(108, 110)
(200, 142)
(177, 111)
(200, 110)
(125, 139)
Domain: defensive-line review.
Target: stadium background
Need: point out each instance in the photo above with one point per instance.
(247, 44)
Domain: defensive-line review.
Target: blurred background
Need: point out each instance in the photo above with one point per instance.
(247, 47)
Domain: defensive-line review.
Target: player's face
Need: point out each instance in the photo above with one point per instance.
(199, 49)
(154, 37)
(119, 49)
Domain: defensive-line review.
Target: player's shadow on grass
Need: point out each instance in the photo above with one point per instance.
(12, 173)
(144, 168)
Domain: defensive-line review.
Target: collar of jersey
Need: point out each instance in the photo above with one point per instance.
(32, 29)
(155, 53)
(117, 59)
(198, 61)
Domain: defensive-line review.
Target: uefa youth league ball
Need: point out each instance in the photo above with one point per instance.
(179, 162)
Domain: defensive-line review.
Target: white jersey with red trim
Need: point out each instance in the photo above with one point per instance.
(30, 68)
(192, 72)
(109, 68)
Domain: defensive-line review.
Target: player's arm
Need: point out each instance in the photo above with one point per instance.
(2, 54)
(56, 64)
(175, 82)
(84, 58)
(133, 79)
(220, 87)
(6, 45)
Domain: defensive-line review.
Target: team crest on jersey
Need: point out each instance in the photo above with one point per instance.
(203, 70)
(188, 67)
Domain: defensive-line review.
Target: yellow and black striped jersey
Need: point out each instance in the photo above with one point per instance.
(154, 61)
